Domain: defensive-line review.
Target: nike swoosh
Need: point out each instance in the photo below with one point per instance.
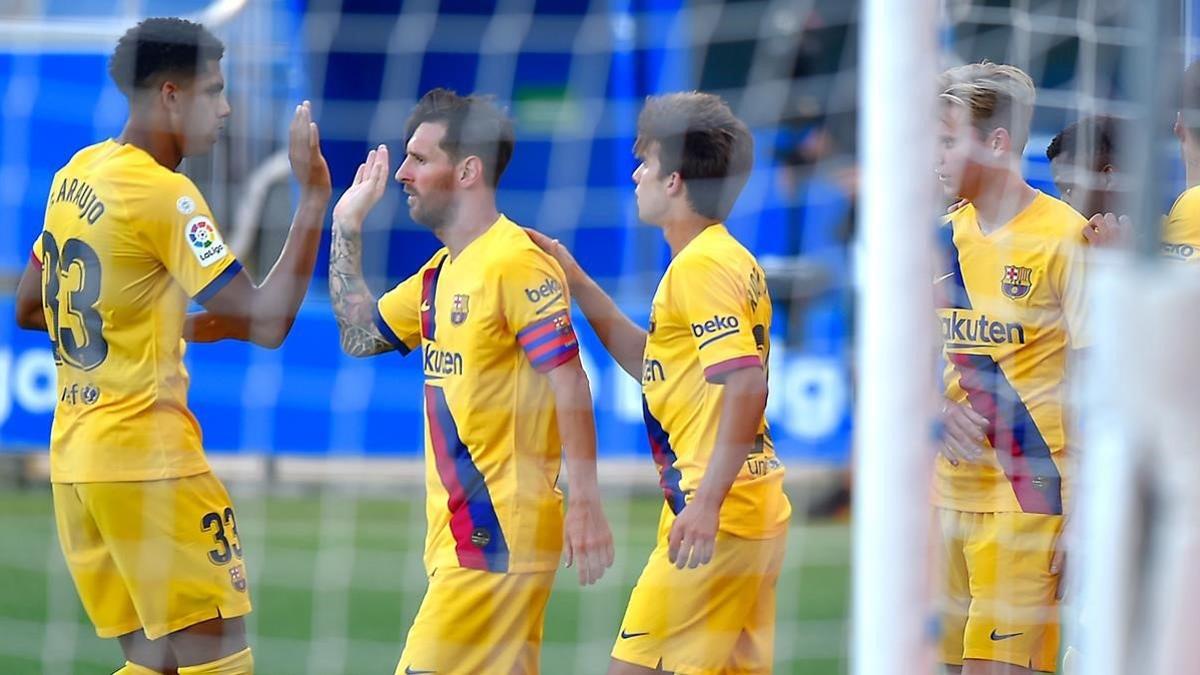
(408, 670)
(626, 636)
(996, 637)
(424, 306)
(943, 278)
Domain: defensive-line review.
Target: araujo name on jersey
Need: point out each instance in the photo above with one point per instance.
(82, 196)
(547, 290)
(717, 324)
(440, 363)
(958, 328)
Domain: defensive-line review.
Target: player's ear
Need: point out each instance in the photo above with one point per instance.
(674, 183)
(1001, 141)
(470, 171)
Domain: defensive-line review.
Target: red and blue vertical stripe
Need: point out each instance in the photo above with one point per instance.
(549, 342)
(479, 539)
(1020, 447)
(669, 477)
(428, 295)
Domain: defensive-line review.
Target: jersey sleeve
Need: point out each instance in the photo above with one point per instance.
(187, 240)
(536, 306)
(713, 300)
(1181, 231)
(1067, 274)
(398, 314)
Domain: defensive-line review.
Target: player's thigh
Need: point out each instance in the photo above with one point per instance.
(176, 545)
(472, 621)
(754, 651)
(953, 529)
(690, 620)
(100, 585)
(1013, 617)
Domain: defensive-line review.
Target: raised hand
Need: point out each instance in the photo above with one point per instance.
(364, 193)
(304, 154)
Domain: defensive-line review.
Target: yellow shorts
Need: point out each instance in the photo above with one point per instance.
(716, 618)
(155, 555)
(997, 600)
(472, 621)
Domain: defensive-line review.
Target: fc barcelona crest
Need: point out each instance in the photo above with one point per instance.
(1017, 281)
(458, 311)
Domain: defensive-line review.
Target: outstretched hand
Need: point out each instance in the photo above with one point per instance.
(370, 182)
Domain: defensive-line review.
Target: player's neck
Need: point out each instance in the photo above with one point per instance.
(680, 231)
(161, 146)
(468, 225)
(1001, 198)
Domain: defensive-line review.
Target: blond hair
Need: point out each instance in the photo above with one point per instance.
(996, 96)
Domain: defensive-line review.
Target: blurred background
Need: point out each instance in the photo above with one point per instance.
(312, 441)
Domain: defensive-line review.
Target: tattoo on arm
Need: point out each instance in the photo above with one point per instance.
(353, 304)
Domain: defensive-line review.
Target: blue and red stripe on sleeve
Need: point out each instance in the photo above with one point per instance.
(550, 342)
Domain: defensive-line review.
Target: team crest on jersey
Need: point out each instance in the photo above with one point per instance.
(204, 240)
(459, 309)
(1017, 281)
(237, 578)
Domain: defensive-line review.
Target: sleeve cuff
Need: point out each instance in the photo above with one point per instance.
(716, 372)
(35, 261)
(213, 287)
(388, 334)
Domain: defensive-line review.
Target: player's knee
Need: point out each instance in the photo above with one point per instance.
(240, 663)
(143, 655)
(210, 642)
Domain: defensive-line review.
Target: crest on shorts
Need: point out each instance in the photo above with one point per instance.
(237, 578)
(458, 311)
(1017, 281)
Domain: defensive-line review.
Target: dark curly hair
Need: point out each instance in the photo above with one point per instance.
(158, 48)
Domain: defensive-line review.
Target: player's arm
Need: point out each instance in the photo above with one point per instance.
(269, 309)
(623, 339)
(354, 307)
(544, 331)
(741, 413)
(209, 327)
(588, 541)
(30, 314)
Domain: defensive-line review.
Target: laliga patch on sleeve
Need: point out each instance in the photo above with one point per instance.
(204, 240)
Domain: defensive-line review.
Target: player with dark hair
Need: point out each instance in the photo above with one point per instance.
(148, 532)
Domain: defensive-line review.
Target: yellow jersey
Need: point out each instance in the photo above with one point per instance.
(489, 324)
(1181, 230)
(711, 315)
(126, 243)
(1011, 306)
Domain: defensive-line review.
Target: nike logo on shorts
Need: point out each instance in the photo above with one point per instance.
(996, 637)
(626, 636)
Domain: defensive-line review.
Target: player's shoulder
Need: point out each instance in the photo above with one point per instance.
(1187, 205)
(511, 248)
(714, 250)
(1057, 217)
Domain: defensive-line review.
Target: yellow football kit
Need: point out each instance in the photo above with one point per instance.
(1181, 229)
(711, 315)
(125, 245)
(1012, 305)
(489, 324)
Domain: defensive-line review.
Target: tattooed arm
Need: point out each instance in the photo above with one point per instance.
(353, 304)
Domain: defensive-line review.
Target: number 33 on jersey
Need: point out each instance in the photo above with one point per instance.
(125, 245)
